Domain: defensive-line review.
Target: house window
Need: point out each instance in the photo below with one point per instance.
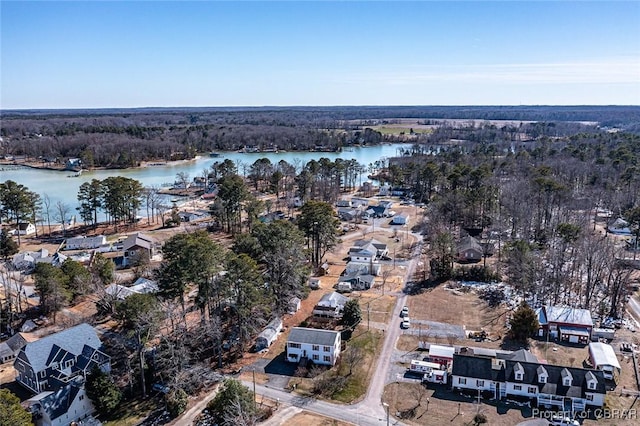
(589, 397)
(327, 358)
(567, 382)
(532, 389)
(462, 380)
(294, 345)
(592, 385)
(517, 387)
(543, 379)
(293, 356)
(316, 357)
(42, 373)
(327, 348)
(518, 376)
(479, 383)
(81, 397)
(68, 364)
(315, 347)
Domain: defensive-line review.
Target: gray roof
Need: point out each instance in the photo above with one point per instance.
(138, 240)
(72, 340)
(522, 355)
(333, 299)
(603, 354)
(313, 336)
(469, 243)
(566, 314)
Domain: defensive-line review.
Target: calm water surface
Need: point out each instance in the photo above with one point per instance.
(59, 187)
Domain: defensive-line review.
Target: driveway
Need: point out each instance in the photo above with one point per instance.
(435, 329)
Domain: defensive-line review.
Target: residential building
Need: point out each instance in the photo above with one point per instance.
(54, 368)
(400, 219)
(330, 305)
(136, 245)
(379, 249)
(25, 228)
(140, 286)
(469, 250)
(52, 361)
(566, 388)
(85, 243)
(317, 346)
(9, 348)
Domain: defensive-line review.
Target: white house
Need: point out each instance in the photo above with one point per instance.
(85, 243)
(140, 286)
(603, 358)
(400, 219)
(566, 388)
(318, 346)
(25, 228)
(67, 405)
(330, 305)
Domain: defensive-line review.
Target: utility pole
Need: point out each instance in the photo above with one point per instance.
(254, 388)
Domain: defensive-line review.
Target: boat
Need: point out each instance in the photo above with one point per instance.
(214, 154)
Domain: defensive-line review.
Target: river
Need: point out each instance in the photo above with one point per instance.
(60, 187)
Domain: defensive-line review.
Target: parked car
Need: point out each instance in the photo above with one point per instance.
(563, 421)
(405, 323)
(160, 387)
(404, 312)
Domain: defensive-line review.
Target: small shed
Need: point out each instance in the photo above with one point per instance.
(314, 283)
(603, 358)
(269, 334)
(294, 305)
(400, 219)
(443, 355)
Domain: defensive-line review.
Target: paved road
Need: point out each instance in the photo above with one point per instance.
(357, 414)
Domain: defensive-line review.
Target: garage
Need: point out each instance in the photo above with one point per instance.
(576, 335)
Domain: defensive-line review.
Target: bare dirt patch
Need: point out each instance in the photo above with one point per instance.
(418, 405)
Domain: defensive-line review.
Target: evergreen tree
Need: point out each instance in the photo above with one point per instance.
(352, 313)
(8, 247)
(102, 391)
(524, 323)
(11, 412)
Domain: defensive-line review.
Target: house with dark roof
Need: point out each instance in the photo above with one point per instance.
(9, 348)
(566, 388)
(53, 361)
(565, 323)
(379, 249)
(310, 344)
(469, 250)
(55, 367)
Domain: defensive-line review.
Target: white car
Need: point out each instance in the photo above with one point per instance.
(404, 312)
(563, 421)
(405, 323)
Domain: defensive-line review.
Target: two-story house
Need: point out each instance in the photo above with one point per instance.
(318, 346)
(567, 388)
(54, 368)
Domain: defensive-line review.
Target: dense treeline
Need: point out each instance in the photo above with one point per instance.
(538, 202)
(112, 138)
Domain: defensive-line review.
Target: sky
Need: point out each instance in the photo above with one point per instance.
(118, 54)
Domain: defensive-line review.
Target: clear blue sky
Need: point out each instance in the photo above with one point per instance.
(136, 54)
